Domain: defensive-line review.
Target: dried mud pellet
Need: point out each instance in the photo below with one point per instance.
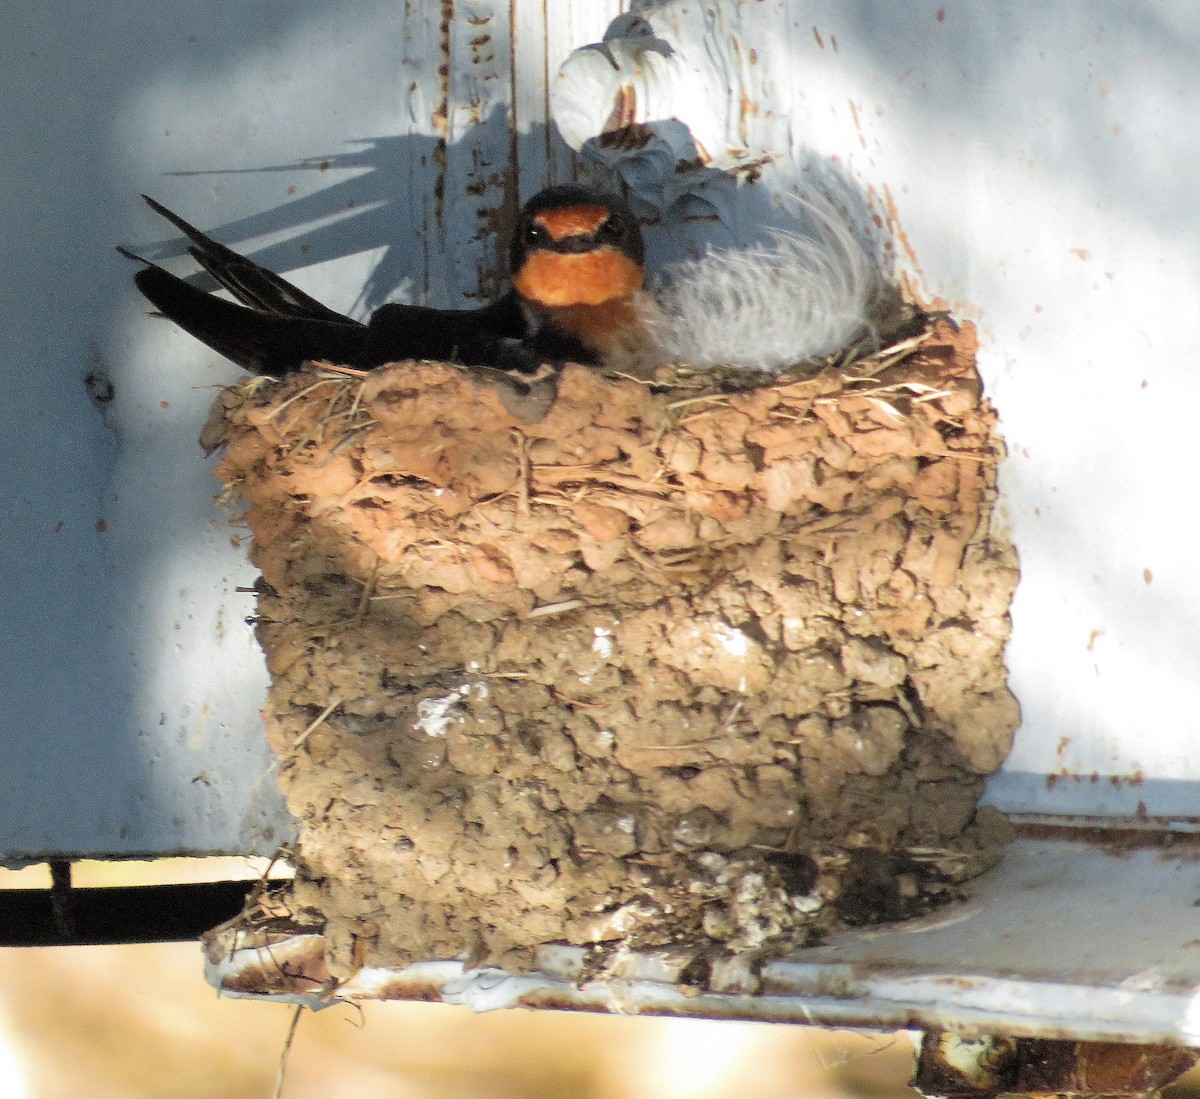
(605, 677)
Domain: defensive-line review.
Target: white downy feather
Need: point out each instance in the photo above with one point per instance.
(767, 307)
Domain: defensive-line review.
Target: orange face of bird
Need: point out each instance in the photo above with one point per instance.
(574, 257)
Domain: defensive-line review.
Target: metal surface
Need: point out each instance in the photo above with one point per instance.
(1030, 171)
(1033, 165)
(364, 150)
(1061, 940)
(981, 1068)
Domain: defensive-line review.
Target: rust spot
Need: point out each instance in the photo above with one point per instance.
(440, 116)
(833, 42)
(624, 110)
(292, 189)
(1082, 253)
(1062, 744)
(1136, 778)
(941, 15)
(636, 136)
(426, 992)
(817, 36)
(1142, 813)
(1091, 642)
(897, 231)
(1050, 1066)
(857, 123)
(1145, 382)
(1147, 576)
(101, 526)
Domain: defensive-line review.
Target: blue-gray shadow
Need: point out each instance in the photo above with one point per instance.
(77, 779)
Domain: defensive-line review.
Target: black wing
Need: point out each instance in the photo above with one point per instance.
(263, 343)
(273, 328)
(250, 283)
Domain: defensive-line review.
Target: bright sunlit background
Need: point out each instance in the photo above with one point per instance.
(139, 1022)
(134, 1022)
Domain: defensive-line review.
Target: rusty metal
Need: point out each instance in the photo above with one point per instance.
(1029, 954)
(951, 1066)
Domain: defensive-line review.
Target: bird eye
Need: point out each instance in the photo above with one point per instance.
(532, 233)
(614, 226)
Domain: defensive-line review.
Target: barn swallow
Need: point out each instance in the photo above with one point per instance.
(576, 263)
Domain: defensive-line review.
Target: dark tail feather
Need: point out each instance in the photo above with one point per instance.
(276, 328)
(263, 343)
(250, 283)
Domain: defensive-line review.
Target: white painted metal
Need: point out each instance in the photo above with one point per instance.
(1030, 164)
(1033, 161)
(1061, 940)
(318, 137)
(1040, 169)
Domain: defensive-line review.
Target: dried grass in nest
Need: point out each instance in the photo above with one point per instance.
(671, 664)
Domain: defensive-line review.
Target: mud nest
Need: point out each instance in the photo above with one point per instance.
(669, 666)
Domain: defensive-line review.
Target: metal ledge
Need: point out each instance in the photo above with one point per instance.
(1033, 953)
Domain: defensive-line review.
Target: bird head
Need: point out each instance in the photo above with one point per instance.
(576, 246)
